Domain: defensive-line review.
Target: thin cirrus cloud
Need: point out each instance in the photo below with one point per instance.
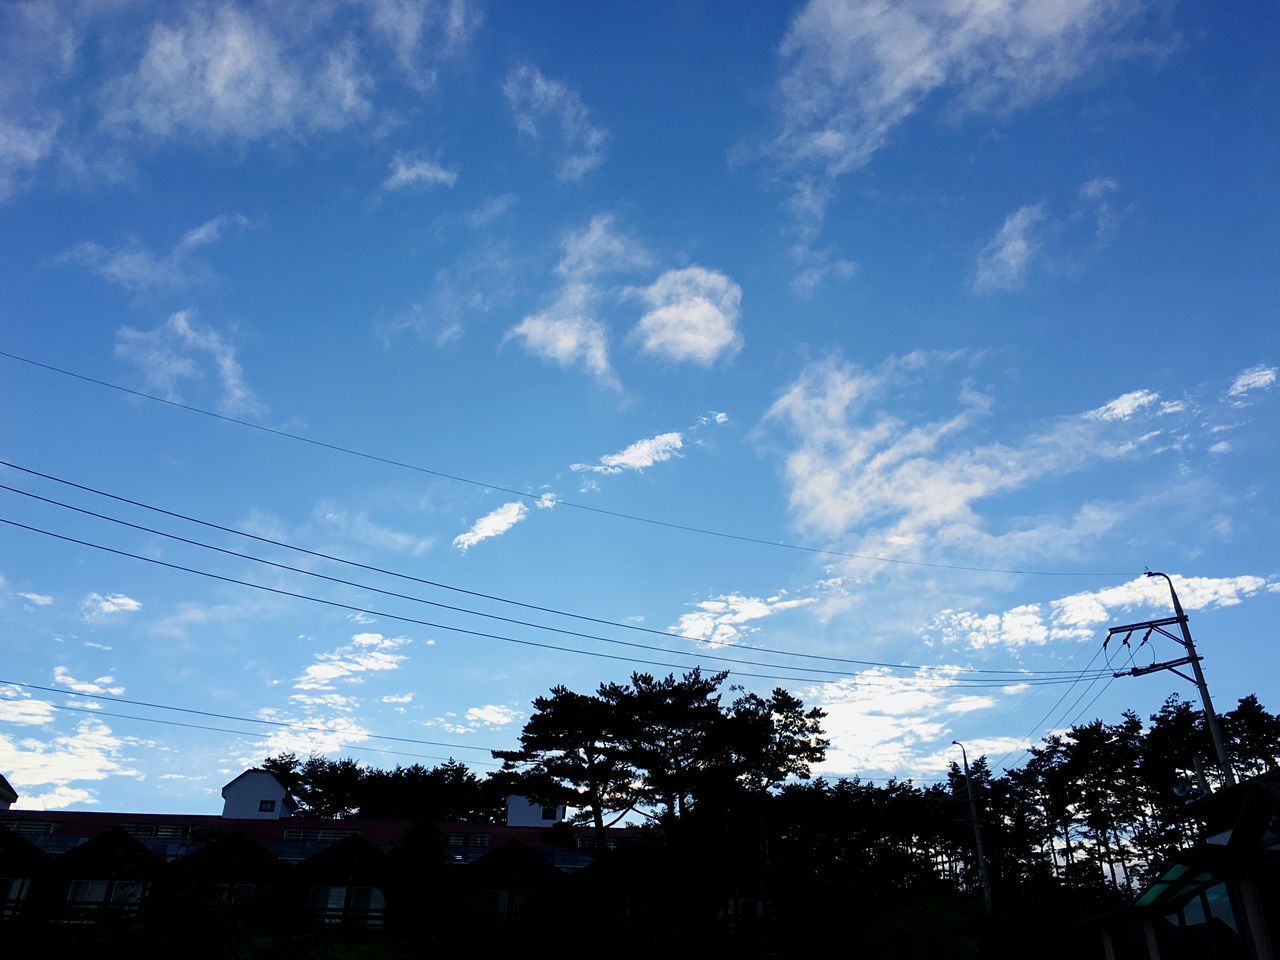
(97, 607)
(1005, 260)
(138, 270)
(414, 170)
(1024, 238)
(692, 317)
(854, 70)
(178, 351)
(857, 469)
(546, 109)
(209, 73)
(1260, 377)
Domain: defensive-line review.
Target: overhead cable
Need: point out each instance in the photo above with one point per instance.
(539, 497)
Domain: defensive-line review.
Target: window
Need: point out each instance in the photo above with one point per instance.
(13, 890)
(86, 898)
(266, 806)
(314, 833)
(549, 813)
(336, 906)
(234, 893)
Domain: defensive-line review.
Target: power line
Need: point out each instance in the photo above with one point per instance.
(1066, 693)
(230, 716)
(617, 514)
(248, 734)
(462, 630)
(456, 609)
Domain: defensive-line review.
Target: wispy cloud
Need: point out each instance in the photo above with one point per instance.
(413, 170)
(366, 653)
(36, 599)
(1260, 377)
(173, 353)
(91, 753)
(857, 468)
(570, 332)
(1125, 406)
(137, 269)
(730, 618)
(855, 70)
(1003, 262)
(101, 685)
(637, 456)
(692, 316)
(1080, 616)
(493, 524)
(539, 103)
(96, 607)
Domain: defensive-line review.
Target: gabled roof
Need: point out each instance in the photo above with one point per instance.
(290, 803)
(6, 791)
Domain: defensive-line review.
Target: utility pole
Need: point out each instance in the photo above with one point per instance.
(1192, 658)
(977, 829)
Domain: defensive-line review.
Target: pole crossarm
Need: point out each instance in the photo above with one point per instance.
(1167, 665)
(1146, 624)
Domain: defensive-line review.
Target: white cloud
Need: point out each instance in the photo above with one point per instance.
(172, 352)
(18, 707)
(36, 599)
(91, 753)
(398, 698)
(855, 466)
(367, 653)
(1081, 616)
(138, 269)
(1221, 447)
(692, 316)
(212, 72)
(853, 70)
(881, 722)
(332, 735)
(409, 170)
(493, 524)
(538, 103)
(100, 686)
(639, 455)
(96, 607)
(1126, 405)
(226, 73)
(728, 618)
(22, 149)
(569, 332)
(1255, 378)
(493, 715)
(1004, 261)
(969, 704)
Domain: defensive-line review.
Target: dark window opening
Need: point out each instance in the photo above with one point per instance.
(266, 806)
(549, 813)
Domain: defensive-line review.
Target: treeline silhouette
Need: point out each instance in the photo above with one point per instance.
(729, 841)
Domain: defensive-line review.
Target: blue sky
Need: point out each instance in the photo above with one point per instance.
(988, 286)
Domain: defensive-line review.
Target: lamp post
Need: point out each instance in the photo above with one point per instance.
(977, 828)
